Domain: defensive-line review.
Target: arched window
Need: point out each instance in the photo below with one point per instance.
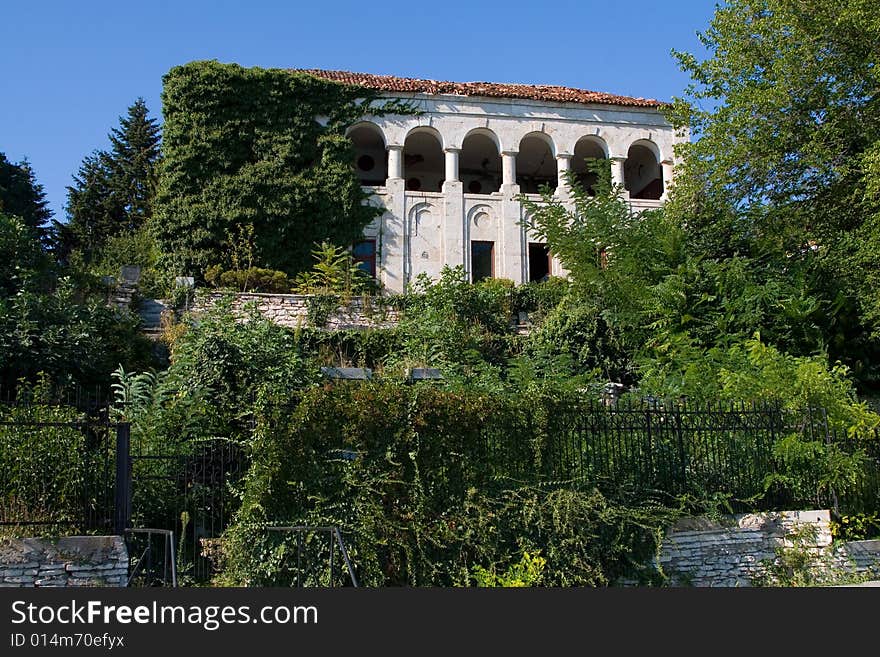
(370, 158)
(535, 164)
(642, 173)
(424, 165)
(587, 150)
(480, 164)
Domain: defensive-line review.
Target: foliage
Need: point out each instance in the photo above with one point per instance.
(538, 298)
(800, 563)
(236, 359)
(527, 572)
(333, 273)
(22, 196)
(169, 416)
(48, 325)
(403, 472)
(856, 527)
(784, 112)
(42, 468)
(71, 340)
(453, 324)
(757, 372)
(113, 191)
(137, 248)
(253, 279)
(245, 146)
(23, 264)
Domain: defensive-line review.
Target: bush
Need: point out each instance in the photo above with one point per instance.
(43, 469)
(253, 279)
(405, 473)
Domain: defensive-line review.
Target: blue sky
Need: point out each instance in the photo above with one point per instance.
(70, 69)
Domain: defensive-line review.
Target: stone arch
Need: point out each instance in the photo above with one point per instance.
(424, 165)
(479, 164)
(370, 156)
(536, 163)
(642, 172)
(480, 217)
(588, 148)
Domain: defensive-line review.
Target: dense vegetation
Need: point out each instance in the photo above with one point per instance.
(262, 148)
(756, 283)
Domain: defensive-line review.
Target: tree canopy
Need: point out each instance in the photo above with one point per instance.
(113, 190)
(22, 196)
(785, 162)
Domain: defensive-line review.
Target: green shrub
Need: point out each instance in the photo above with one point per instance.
(405, 473)
(253, 279)
(43, 469)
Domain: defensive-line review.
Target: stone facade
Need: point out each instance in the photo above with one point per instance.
(736, 550)
(294, 310)
(69, 561)
(448, 177)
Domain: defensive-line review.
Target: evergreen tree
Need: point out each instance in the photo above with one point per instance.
(23, 197)
(113, 190)
(133, 159)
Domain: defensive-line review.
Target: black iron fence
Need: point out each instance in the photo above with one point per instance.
(67, 471)
(57, 476)
(187, 488)
(674, 450)
(70, 472)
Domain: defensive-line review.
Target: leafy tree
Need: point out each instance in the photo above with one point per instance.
(22, 261)
(787, 118)
(113, 190)
(245, 146)
(21, 195)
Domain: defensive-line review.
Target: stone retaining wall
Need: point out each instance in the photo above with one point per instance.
(293, 310)
(68, 561)
(737, 549)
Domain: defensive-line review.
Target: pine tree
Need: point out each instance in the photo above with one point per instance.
(22, 196)
(133, 160)
(113, 190)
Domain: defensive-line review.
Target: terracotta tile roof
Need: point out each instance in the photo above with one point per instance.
(544, 92)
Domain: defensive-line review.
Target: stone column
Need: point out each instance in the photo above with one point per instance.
(452, 164)
(667, 178)
(563, 166)
(395, 161)
(393, 235)
(617, 175)
(508, 168)
(512, 233)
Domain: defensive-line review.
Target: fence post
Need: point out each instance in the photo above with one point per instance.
(122, 509)
(828, 446)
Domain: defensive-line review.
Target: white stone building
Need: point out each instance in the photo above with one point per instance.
(448, 177)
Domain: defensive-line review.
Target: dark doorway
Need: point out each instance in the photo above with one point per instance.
(539, 261)
(482, 261)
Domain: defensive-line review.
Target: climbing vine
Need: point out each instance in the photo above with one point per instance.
(256, 146)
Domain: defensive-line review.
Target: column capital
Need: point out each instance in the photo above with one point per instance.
(394, 147)
(564, 156)
(452, 149)
(618, 158)
(510, 153)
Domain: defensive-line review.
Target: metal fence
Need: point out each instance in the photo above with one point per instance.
(675, 450)
(186, 488)
(74, 473)
(57, 476)
(66, 471)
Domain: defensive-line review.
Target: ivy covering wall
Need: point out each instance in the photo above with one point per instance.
(261, 147)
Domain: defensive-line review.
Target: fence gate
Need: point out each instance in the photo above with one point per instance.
(182, 489)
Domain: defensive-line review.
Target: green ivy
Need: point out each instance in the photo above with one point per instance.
(261, 147)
